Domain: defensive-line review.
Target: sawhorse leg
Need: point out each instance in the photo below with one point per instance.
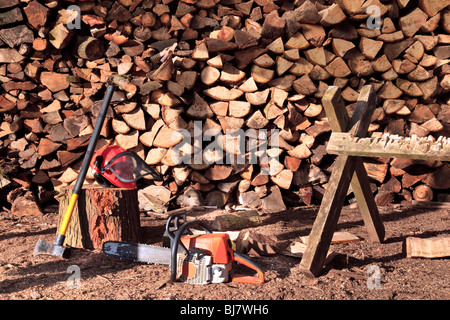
(346, 170)
(326, 221)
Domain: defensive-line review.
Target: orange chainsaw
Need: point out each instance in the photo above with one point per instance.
(195, 259)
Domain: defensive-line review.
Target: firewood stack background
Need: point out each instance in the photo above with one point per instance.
(238, 64)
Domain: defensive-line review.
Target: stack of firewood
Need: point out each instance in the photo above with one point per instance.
(238, 64)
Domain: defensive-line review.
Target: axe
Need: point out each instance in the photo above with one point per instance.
(57, 248)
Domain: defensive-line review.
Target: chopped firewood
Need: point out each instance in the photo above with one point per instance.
(262, 75)
(231, 74)
(210, 75)
(432, 7)
(273, 26)
(89, 48)
(240, 65)
(223, 94)
(199, 109)
(167, 138)
(135, 119)
(26, 204)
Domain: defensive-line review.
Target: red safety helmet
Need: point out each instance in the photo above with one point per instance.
(113, 166)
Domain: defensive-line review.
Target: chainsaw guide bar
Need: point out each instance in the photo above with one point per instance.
(137, 252)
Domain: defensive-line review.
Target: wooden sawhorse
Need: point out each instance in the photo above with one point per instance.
(347, 169)
(348, 140)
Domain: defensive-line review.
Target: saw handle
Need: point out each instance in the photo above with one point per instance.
(176, 217)
(246, 261)
(177, 241)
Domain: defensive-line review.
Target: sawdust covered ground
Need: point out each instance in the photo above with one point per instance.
(352, 275)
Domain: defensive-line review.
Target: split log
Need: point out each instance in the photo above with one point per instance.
(24, 204)
(273, 26)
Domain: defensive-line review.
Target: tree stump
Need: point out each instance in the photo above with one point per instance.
(101, 214)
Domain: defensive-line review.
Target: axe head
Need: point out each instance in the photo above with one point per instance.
(43, 247)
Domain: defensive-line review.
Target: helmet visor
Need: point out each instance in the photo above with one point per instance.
(127, 166)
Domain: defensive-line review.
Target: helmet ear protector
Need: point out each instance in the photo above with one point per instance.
(114, 167)
(97, 175)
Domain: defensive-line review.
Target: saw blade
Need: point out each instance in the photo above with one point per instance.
(137, 252)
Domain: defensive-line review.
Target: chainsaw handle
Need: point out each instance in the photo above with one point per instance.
(176, 217)
(242, 259)
(179, 219)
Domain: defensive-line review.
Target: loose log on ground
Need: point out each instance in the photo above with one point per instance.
(436, 247)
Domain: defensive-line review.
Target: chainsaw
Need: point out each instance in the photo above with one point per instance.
(195, 259)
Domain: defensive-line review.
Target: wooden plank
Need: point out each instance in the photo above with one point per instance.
(338, 237)
(390, 146)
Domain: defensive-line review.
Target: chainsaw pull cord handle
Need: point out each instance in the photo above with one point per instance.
(246, 261)
(176, 242)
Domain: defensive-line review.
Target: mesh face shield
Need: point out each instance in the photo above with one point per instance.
(112, 166)
(127, 166)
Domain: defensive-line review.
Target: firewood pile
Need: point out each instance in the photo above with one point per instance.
(236, 64)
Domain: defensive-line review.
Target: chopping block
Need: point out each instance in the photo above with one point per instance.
(102, 214)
